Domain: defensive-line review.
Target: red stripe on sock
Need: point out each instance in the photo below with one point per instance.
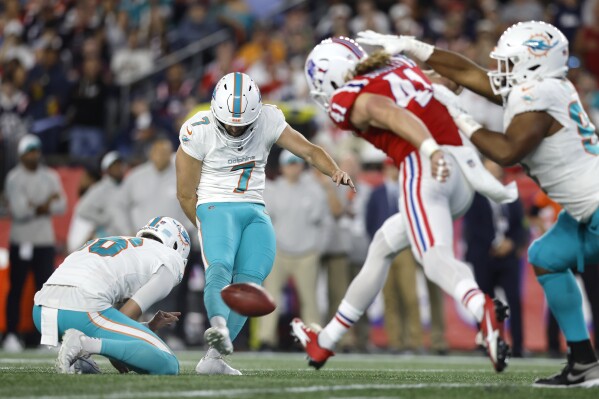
(343, 323)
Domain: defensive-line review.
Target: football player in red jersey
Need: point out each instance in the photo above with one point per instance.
(389, 102)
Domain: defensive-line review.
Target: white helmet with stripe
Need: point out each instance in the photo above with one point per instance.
(236, 101)
(169, 232)
(329, 65)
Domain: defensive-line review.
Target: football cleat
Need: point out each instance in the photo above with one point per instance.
(85, 366)
(308, 338)
(573, 375)
(491, 327)
(213, 363)
(218, 338)
(70, 350)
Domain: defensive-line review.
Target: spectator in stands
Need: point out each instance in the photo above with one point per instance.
(264, 43)
(566, 16)
(297, 207)
(13, 47)
(521, 10)
(132, 61)
(48, 91)
(170, 97)
(587, 44)
(88, 112)
(196, 25)
(496, 236)
(149, 189)
(235, 14)
(34, 194)
(402, 310)
(94, 215)
(13, 104)
(369, 18)
(335, 23)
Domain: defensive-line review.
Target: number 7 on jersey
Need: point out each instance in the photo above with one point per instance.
(244, 178)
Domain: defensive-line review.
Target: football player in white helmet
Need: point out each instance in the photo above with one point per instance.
(549, 133)
(228, 147)
(76, 304)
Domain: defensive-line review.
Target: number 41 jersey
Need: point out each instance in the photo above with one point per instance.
(404, 83)
(565, 164)
(231, 174)
(107, 270)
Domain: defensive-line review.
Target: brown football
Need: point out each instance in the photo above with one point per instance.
(248, 299)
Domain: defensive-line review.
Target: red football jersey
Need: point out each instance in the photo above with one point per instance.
(404, 83)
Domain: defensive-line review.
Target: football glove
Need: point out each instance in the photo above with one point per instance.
(397, 44)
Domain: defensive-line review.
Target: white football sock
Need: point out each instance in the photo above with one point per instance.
(344, 319)
(471, 297)
(218, 321)
(91, 345)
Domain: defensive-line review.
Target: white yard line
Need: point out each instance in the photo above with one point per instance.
(211, 393)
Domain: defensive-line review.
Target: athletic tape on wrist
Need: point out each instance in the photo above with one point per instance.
(428, 147)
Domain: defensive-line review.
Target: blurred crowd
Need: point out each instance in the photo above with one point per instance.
(106, 84)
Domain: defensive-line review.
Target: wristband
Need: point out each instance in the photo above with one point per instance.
(420, 50)
(428, 147)
(467, 124)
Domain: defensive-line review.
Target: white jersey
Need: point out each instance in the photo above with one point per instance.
(106, 271)
(231, 174)
(566, 164)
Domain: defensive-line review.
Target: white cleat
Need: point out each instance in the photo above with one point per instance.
(70, 351)
(218, 338)
(213, 364)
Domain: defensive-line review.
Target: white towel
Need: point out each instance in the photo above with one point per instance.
(49, 326)
(480, 178)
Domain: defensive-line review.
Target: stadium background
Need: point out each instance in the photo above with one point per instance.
(178, 49)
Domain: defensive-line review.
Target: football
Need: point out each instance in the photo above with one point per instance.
(248, 299)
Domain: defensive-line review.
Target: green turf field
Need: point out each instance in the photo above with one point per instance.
(31, 374)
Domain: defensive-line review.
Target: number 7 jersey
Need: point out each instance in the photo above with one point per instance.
(231, 174)
(566, 164)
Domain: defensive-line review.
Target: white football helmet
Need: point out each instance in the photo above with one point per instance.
(329, 65)
(170, 232)
(236, 101)
(527, 51)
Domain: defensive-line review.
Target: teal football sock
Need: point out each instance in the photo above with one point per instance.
(217, 277)
(235, 322)
(565, 301)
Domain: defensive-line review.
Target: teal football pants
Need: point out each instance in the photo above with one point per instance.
(568, 245)
(123, 339)
(238, 246)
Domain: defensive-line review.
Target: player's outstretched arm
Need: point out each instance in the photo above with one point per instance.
(189, 171)
(293, 141)
(449, 64)
(525, 132)
(382, 112)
